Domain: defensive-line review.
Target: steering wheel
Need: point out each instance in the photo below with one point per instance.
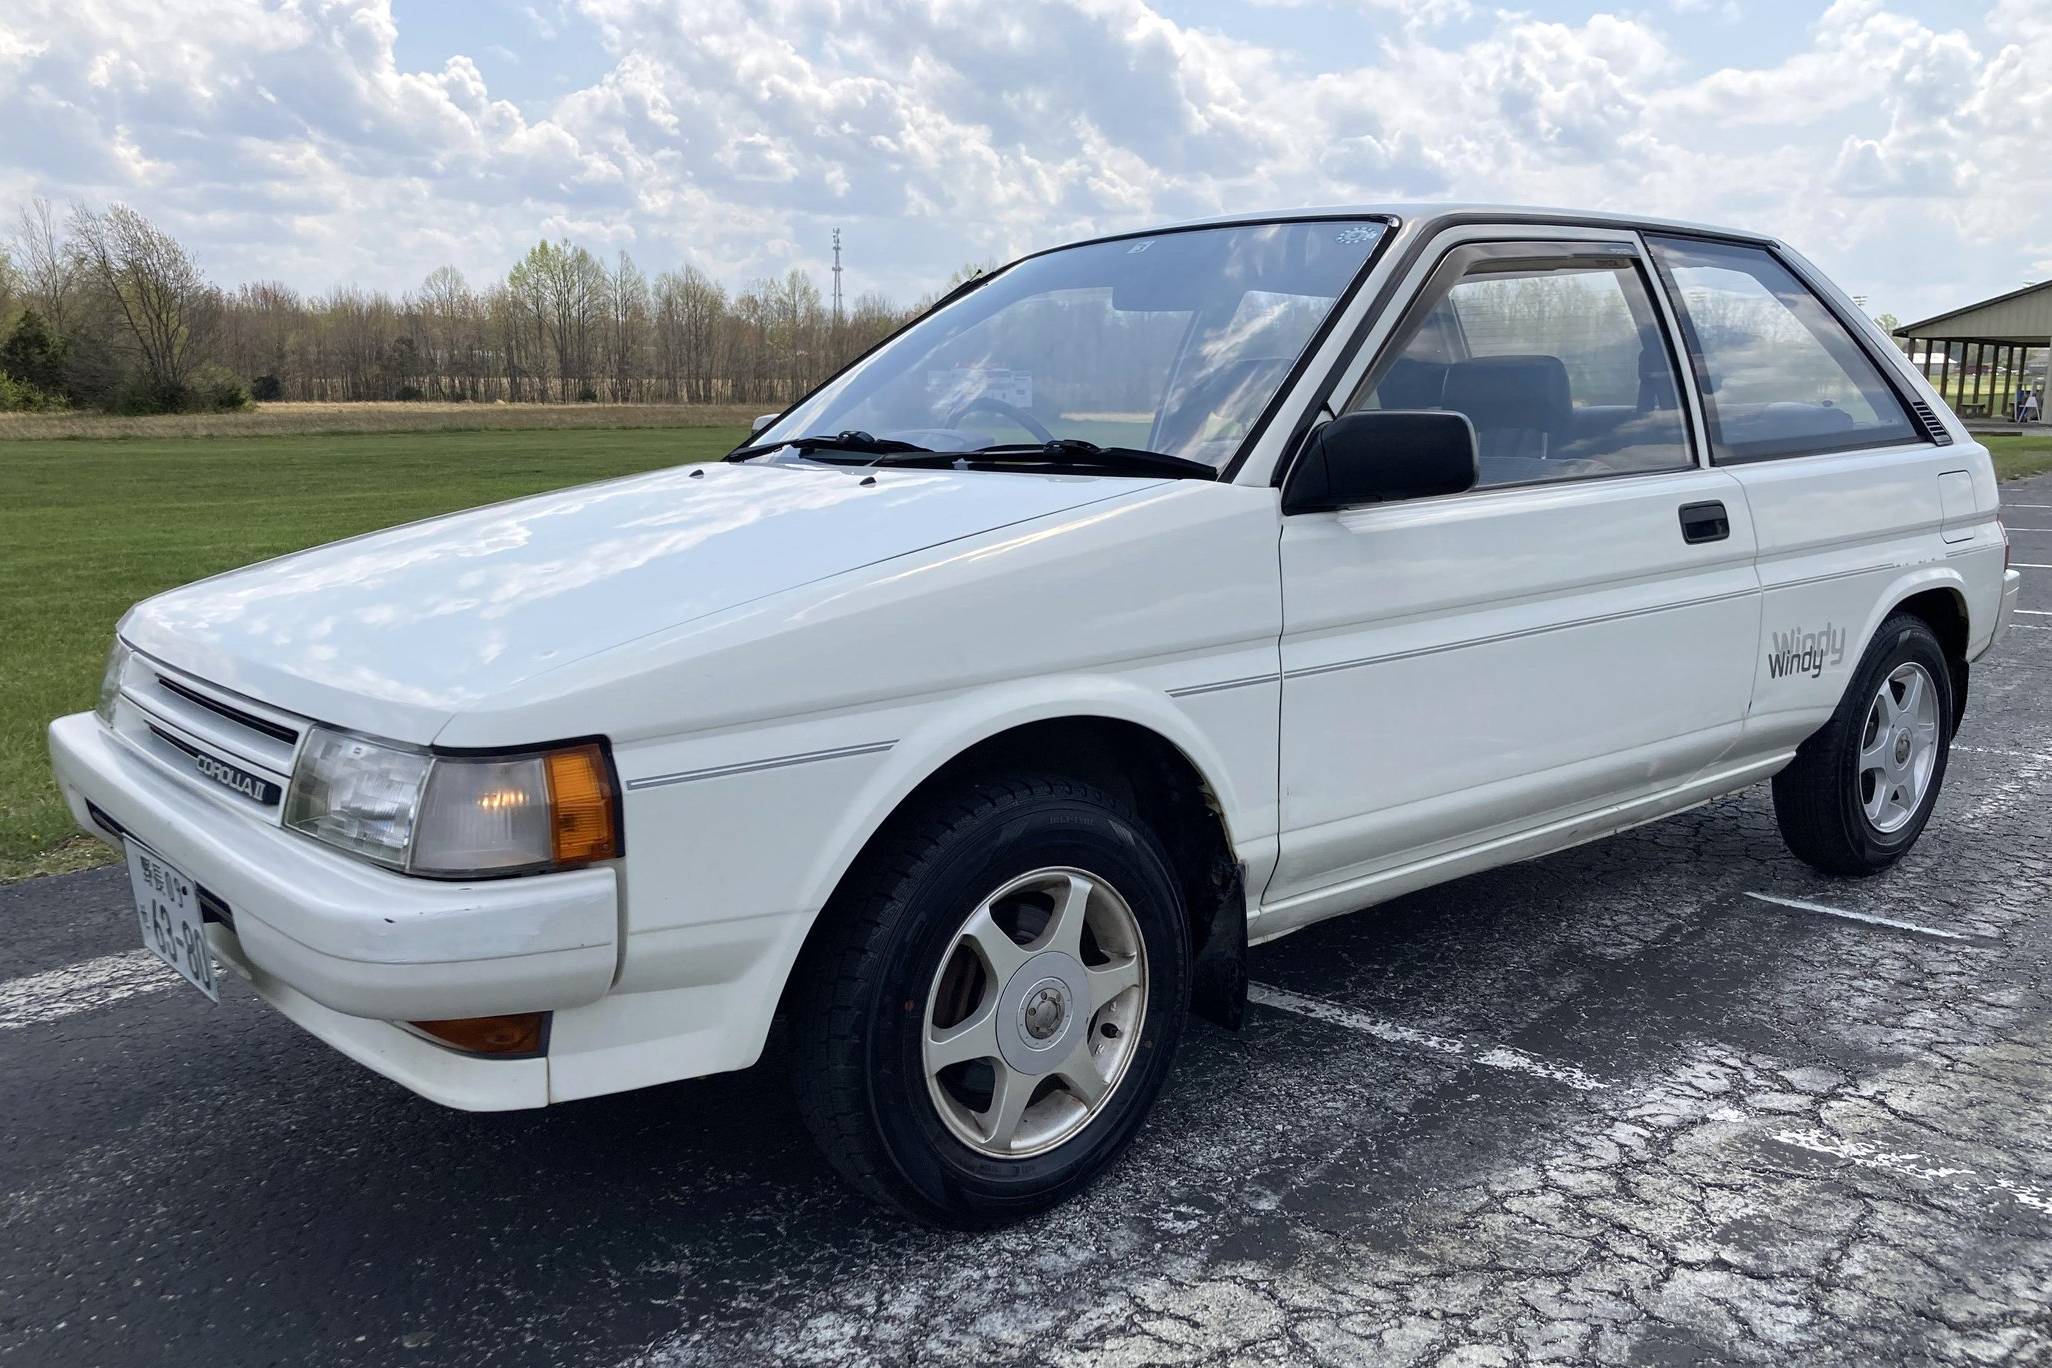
(1003, 410)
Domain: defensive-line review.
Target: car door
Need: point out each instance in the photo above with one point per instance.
(1848, 484)
(1576, 630)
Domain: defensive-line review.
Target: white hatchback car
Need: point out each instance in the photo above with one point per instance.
(1147, 597)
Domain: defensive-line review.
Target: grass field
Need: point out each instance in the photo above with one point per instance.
(301, 420)
(87, 527)
(2016, 457)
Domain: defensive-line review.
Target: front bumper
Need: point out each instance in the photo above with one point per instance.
(436, 1072)
(342, 935)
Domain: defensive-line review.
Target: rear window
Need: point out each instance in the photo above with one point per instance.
(1780, 375)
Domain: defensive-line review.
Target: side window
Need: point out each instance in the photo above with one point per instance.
(1780, 376)
(1558, 362)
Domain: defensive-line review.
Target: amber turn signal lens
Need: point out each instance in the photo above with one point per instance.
(520, 1034)
(581, 807)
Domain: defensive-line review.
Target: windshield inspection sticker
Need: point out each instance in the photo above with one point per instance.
(1356, 234)
(1797, 652)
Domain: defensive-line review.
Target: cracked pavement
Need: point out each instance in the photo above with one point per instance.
(1600, 1108)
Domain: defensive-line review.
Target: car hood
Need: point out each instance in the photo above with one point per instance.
(397, 631)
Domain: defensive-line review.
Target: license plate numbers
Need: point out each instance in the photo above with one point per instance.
(167, 908)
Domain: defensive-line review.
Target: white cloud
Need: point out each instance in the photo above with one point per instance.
(290, 141)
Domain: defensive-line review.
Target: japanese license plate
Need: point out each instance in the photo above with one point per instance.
(167, 908)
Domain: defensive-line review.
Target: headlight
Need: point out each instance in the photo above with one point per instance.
(110, 680)
(455, 816)
(354, 793)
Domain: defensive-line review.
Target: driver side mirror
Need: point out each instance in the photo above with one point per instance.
(1381, 456)
(762, 420)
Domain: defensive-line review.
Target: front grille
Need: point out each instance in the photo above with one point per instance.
(233, 747)
(276, 730)
(228, 725)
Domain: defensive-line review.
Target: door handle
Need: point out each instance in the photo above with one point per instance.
(1704, 522)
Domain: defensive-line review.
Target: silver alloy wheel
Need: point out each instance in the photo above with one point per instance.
(1898, 748)
(1035, 1013)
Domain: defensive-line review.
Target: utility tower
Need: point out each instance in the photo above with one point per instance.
(837, 277)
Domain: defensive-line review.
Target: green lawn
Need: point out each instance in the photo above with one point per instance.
(89, 527)
(2016, 457)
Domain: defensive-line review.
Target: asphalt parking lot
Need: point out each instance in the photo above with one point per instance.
(1671, 1098)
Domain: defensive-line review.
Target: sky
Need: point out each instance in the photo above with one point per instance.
(1904, 145)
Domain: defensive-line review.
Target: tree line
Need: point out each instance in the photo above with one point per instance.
(103, 309)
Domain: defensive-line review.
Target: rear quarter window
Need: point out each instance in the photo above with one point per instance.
(1780, 375)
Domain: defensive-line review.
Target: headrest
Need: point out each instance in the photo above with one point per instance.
(1410, 384)
(1513, 392)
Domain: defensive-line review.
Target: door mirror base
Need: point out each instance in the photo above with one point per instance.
(1382, 456)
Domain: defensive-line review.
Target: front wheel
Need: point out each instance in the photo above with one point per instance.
(989, 1013)
(1859, 792)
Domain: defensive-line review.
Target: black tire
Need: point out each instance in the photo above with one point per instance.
(1819, 800)
(859, 1006)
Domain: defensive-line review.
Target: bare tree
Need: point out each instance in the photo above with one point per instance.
(450, 341)
(257, 325)
(49, 273)
(627, 325)
(524, 328)
(10, 288)
(798, 334)
(168, 308)
(561, 325)
(702, 307)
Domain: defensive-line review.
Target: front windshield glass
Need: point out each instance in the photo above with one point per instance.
(1173, 343)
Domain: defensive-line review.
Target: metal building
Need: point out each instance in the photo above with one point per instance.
(1981, 356)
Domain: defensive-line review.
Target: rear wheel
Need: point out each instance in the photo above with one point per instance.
(1859, 792)
(987, 1017)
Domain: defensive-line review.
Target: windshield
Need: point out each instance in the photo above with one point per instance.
(1173, 343)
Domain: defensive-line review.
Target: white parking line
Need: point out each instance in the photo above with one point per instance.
(1866, 917)
(2029, 565)
(2030, 627)
(2038, 756)
(1910, 1164)
(1474, 1052)
(2033, 612)
(58, 993)
(2011, 505)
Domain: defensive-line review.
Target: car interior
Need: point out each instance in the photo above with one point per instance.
(1551, 409)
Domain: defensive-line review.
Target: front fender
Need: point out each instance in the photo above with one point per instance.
(737, 840)
(944, 732)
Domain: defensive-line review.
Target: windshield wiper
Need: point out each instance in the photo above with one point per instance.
(1068, 451)
(857, 443)
(1063, 451)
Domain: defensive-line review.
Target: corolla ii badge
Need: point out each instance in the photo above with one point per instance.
(242, 781)
(254, 787)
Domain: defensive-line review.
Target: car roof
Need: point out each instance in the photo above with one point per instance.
(1427, 216)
